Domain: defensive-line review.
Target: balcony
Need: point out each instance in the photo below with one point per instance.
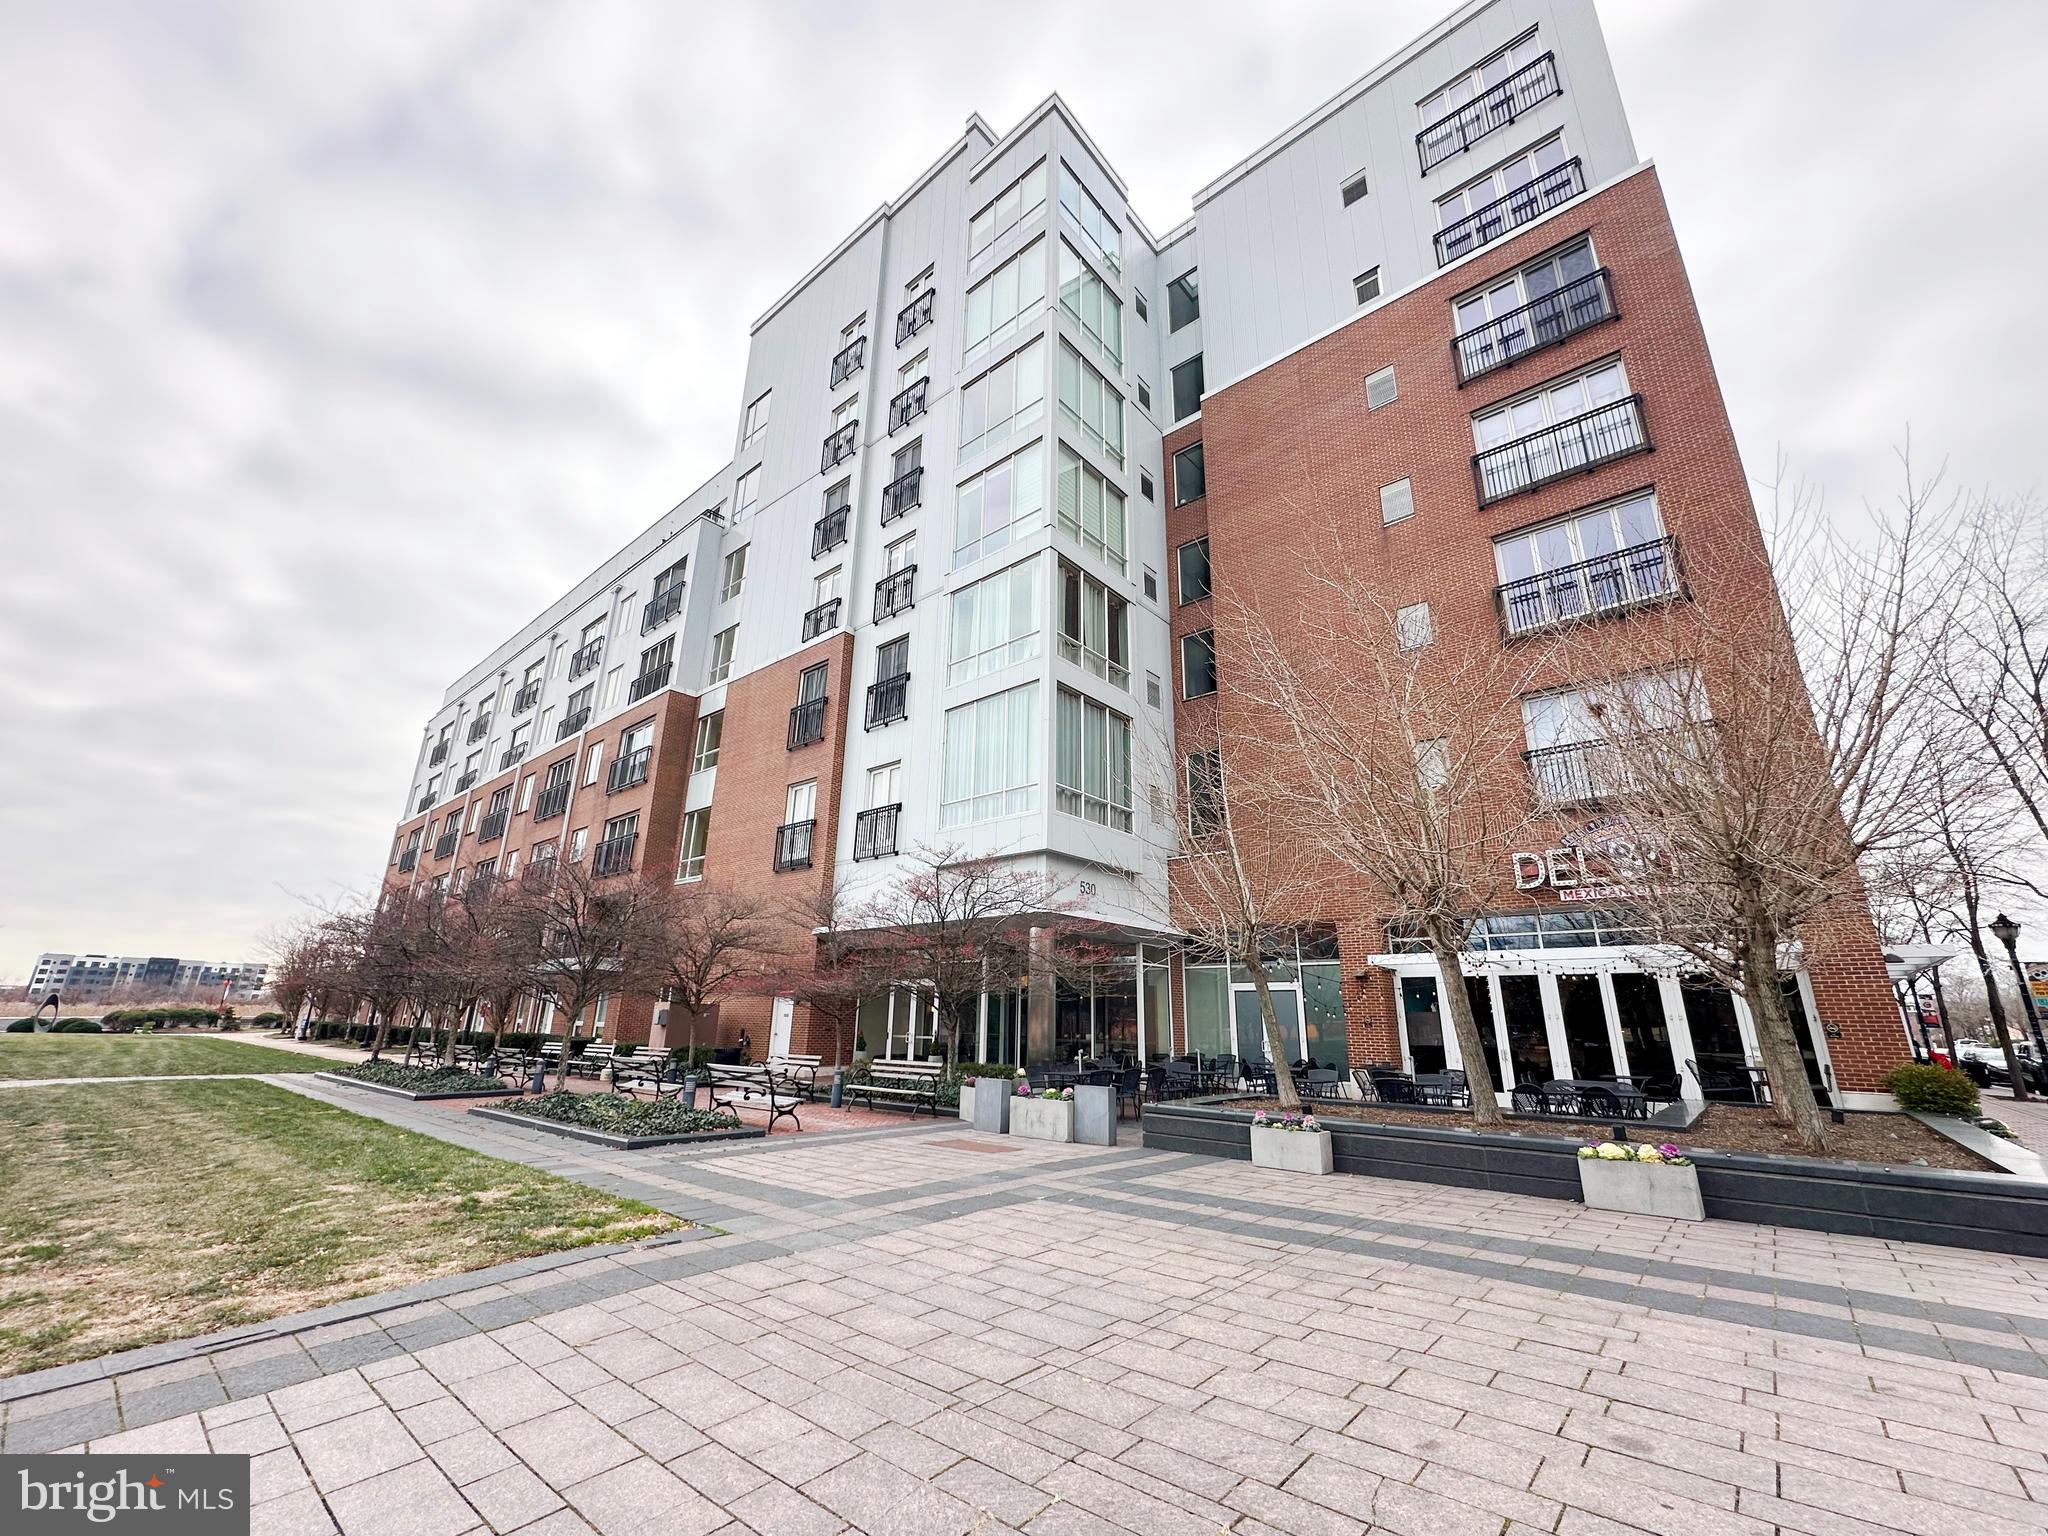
(572, 723)
(849, 360)
(586, 659)
(652, 681)
(822, 619)
(1580, 772)
(915, 316)
(807, 723)
(512, 754)
(465, 781)
(839, 447)
(888, 700)
(425, 800)
(909, 404)
(479, 728)
(896, 593)
(614, 856)
(492, 827)
(1605, 584)
(439, 755)
(1542, 323)
(829, 532)
(445, 846)
(874, 832)
(793, 845)
(662, 607)
(1497, 107)
(902, 493)
(551, 801)
(526, 697)
(1482, 226)
(1571, 447)
(408, 861)
(629, 770)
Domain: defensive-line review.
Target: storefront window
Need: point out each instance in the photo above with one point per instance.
(1158, 1002)
(1482, 1016)
(1322, 996)
(1645, 1032)
(1521, 1004)
(1425, 1023)
(1585, 1026)
(1716, 1037)
(1208, 1003)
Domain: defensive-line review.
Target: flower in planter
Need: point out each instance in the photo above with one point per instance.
(1260, 1119)
(1613, 1152)
(967, 1082)
(1308, 1123)
(1023, 1089)
(1635, 1152)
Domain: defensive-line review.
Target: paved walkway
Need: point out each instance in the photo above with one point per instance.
(925, 1331)
(2029, 1120)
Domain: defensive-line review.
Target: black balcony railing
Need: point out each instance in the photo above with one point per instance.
(909, 404)
(1484, 225)
(1538, 324)
(896, 593)
(445, 846)
(829, 532)
(526, 697)
(492, 827)
(903, 493)
(915, 316)
(1577, 772)
(661, 607)
(572, 723)
(1611, 583)
(408, 861)
(425, 800)
(511, 755)
(551, 802)
(479, 728)
(839, 446)
(465, 780)
(793, 844)
(439, 755)
(1494, 108)
(848, 360)
(888, 700)
(1599, 436)
(586, 659)
(652, 681)
(807, 723)
(614, 856)
(822, 619)
(629, 770)
(874, 832)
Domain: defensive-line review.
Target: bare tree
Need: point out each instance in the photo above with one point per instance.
(713, 940)
(817, 963)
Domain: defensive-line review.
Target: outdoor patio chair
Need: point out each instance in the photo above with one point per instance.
(1366, 1089)
(1128, 1086)
(1322, 1083)
(1529, 1100)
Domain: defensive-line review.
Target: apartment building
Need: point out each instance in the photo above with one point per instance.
(991, 453)
(93, 977)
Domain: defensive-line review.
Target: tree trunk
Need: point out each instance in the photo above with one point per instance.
(380, 1033)
(1997, 1004)
(1457, 1002)
(1276, 1048)
(1791, 1095)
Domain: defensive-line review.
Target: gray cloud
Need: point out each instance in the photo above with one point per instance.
(339, 340)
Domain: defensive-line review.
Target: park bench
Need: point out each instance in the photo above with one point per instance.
(731, 1087)
(595, 1058)
(802, 1070)
(915, 1083)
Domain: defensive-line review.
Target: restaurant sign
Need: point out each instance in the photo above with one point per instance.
(1603, 859)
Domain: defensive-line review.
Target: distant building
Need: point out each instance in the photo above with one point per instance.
(98, 977)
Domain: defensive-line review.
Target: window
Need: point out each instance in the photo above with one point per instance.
(1012, 206)
(1354, 189)
(1193, 558)
(710, 731)
(846, 412)
(1205, 793)
(1183, 301)
(1366, 286)
(800, 803)
(1092, 304)
(613, 680)
(1145, 486)
(1095, 626)
(1092, 761)
(1508, 195)
(1088, 401)
(576, 841)
(810, 683)
(746, 492)
(671, 578)
(917, 314)
(919, 367)
(696, 835)
(1598, 386)
(721, 654)
(525, 794)
(1498, 322)
(892, 660)
(579, 707)
(1091, 509)
(1007, 400)
(1153, 695)
(1187, 388)
(1144, 396)
(1381, 388)
(1454, 116)
(885, 786)
(735, 574)
(641, 735)
(990, 764)
(994, 623)
(825, 587)
(1138, 300)
(997, 304)
(1397, 503)
(1189, 481)
(511, 863)
(756, 422)
(592, 762)
(1003, 503)
(1096, 227)
(1198, 664)
(1413, 627)
(1151, 585)
(1567, 730)
(1596, 561)
(898, 556)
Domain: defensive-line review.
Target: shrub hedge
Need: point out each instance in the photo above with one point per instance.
(21, 1027)
(75, 1027)
(625, 1116)
(1932, 1090)
(389, 1074)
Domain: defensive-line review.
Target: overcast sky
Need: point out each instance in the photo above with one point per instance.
(337, 340)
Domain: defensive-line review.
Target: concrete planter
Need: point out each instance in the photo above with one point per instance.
(1642, 1189)
(1291, 1151)
(967, 1100)
(1095, 1114)
(1042, 1119)
(992, 1109)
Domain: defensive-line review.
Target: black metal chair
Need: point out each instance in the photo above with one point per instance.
(1396, 1089)
(1561, 1097)
(1528, 1099)
(1368, 1091)
(1129, 1086)
(1322, 1083)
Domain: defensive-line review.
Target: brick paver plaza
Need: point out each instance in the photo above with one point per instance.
(921, 1330)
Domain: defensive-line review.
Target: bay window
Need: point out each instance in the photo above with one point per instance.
(1092, 755)
(991, 758)
(1000, 505)
(995, 623)
(1091, 509)
(1094, 626)
(1092, 305)
(997, 304)
(1088, 401)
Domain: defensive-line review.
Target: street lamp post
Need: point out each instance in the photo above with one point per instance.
(2007, 932)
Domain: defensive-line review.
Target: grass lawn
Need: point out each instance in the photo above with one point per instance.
(154, 1211)
(26, 1056)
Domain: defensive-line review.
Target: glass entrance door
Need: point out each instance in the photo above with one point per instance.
(1424, 1023)
(1521, 1007)
(1584, 1014)
(1250, 1026)
(1645, 1033)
